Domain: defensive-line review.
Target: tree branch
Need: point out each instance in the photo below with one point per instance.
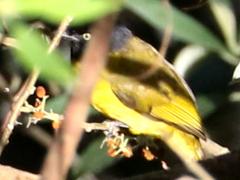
(62, 150)
(8, 172)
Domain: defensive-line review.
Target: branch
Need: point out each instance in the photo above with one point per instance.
(8, 172)
(218, 167)
(11, 118)
(62, 150)
(167, 34)
(62, 28)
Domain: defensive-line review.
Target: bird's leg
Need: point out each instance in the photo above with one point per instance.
(113, 127)
(111, 130)
(115, 141)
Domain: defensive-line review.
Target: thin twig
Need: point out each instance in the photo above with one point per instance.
(218, 166)
(11, 118)
(8, 41)
(62, 28)
(88, 127)
(166, 40)
(167, 31)
(27, 89)
(194, 167)
(63, 149)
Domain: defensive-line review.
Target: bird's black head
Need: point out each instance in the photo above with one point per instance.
(119, 37)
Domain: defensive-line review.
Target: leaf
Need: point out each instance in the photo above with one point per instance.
(32, 52)
(236, 73)
(93, 159)
(226, 2)
(54, 11)
(1, 29)
(206, 105)
(58, 104)
(187, 57)
(184, 27)
(225, 18)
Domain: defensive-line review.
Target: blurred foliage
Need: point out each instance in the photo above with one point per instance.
(184, 27)
(87, 163)
(205, 58)
(55, 10)
(58, 104)
(60, 72)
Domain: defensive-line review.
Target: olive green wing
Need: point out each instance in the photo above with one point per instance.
(159, 105)
(181, 113)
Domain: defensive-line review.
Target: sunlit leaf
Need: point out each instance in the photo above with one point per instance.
(187, 57)
(32, 52)
(236, 73)
(184, 27)
(225, 17)
(55, 10)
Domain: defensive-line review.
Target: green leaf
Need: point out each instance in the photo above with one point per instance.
(226, 20)
(205, 105)
(208, 103)
(32, 52)
(54, 11)
(226, 2)
(58, 104)
(1, 30)
(236, 73)
(184, 27)
(187, 57)
(93, 159)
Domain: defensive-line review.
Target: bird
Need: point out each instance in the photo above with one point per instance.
(141, 89)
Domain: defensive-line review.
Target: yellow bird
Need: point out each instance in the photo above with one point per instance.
(141, 89)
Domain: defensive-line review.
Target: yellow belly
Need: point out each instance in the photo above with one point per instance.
(105, 101)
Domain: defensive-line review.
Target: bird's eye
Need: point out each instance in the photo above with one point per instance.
(86, 36)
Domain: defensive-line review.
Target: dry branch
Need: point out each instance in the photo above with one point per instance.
(8, 172)
(221, 167)
(62, 150)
